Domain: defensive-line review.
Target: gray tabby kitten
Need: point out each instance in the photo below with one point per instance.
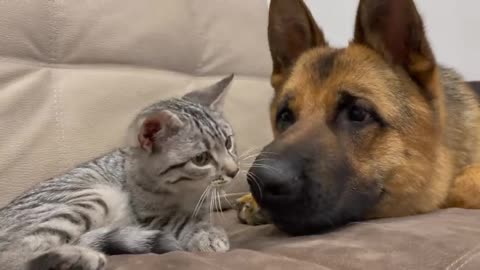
(140, 199)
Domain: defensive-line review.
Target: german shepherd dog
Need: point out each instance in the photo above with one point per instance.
(377, 129)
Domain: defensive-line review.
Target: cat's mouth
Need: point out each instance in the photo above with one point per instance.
(220, 182)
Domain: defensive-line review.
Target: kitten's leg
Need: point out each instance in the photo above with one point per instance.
(59, 229)
(203, 236)
(69, 258)
(56, 225)
(129, 240)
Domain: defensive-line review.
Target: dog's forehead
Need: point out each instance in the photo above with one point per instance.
(321, 73)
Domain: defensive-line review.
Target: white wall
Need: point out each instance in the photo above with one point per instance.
(453, 28)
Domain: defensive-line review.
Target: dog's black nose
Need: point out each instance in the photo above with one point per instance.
(273, 182)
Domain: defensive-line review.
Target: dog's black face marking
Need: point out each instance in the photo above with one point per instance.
(326, 64)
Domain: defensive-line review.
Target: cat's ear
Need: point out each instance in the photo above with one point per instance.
(212, 96)
(156, 127)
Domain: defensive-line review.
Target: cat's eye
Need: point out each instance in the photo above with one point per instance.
(229, 143)
(202, 159)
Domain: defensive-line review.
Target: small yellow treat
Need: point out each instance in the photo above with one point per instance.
(249, 212)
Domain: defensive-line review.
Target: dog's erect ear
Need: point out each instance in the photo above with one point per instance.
(291, 31)
(394, 29)
(212, 96)
(157, 127)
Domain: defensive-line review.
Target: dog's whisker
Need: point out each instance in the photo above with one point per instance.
(254, 178)
(267, 167)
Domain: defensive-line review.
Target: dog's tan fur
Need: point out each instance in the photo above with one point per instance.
(429, 151)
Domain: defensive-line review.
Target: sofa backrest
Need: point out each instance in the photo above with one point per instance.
(73, 74)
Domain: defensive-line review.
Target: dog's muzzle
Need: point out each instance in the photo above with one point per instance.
(274, 181)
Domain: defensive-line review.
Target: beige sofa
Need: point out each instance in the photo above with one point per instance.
(73, 73)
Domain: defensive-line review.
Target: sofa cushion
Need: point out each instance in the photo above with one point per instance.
(446, 239)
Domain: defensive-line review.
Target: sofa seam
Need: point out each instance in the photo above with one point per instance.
(467, 261)
(57, 91)
(110, 66)
(196, 34)
(463, 257)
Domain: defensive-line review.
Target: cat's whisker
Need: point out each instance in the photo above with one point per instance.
(228, 201)
(250, 151)
(269, 152)
(249, 156)
(199, 204)
(264, 153)
(215, 201)
(254, 155)
(220, 205)
(246, 164)
(249, 164)
(211, 205)
(214, 194)
(224, 195)
(253, 158)
(204, 198)
(253, 149)
(244, 172)
(264, 159)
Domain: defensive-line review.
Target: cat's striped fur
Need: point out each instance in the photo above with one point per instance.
(139, 199)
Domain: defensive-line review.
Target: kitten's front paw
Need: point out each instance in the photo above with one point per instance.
(69, 258)
(209, 240)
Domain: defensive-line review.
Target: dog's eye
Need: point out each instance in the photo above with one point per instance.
(201, 159)
(358, 114)
(285, 119)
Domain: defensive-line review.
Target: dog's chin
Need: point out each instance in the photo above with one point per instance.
(316, 214)
(296, 222)
(297, 219)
